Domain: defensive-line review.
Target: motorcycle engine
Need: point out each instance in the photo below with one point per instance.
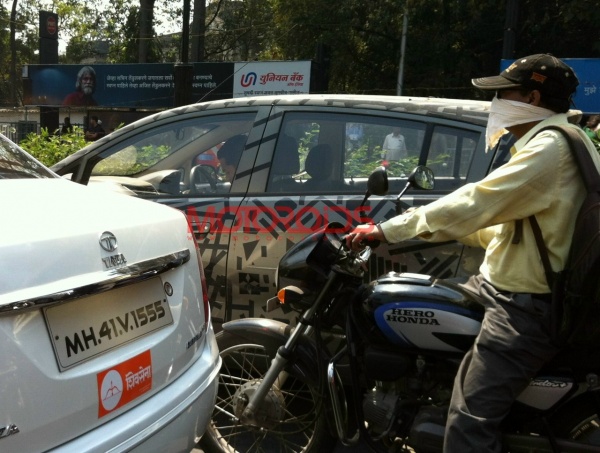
(379, 408)
(383, 413)
(390, 404)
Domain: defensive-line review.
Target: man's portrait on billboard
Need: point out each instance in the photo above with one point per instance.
(85, 86)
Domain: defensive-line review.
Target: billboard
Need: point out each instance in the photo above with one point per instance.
(587, 97)
(263, 78)
(122, 85)
(153, 85)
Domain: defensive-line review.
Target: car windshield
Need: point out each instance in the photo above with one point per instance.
(147, 150)
(16, 164)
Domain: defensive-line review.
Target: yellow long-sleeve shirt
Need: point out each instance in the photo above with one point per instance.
(541, 179)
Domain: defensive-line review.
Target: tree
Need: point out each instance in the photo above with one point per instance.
(90, 32)
(13, 52)
(18, 38)
(448, 41)
(198, 30)
(145, 24)
(567, 29)
(451, 42)
(363, 39)
(238, 30)
(124, 33)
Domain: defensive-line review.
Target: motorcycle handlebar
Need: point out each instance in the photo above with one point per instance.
(372, 243)
(366, 242)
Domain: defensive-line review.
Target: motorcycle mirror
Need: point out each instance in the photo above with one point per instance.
(377, 184)
(421, 178)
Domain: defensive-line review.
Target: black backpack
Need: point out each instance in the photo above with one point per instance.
(576, 289)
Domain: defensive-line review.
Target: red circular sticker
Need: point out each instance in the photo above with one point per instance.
(51, 25)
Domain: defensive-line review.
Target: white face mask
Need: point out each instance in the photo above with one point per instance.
(505, 113)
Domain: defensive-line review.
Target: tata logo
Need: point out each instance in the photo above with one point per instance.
(108, 241)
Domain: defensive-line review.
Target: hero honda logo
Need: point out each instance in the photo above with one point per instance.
(405, 316)
(108, 241)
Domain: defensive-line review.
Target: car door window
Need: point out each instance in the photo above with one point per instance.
(318, 153)
(450, 153)
(179, 157)
(374, 142)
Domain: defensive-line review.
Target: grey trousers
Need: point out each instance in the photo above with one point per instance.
(513, 344)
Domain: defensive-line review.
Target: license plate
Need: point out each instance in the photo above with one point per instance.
(90, 326)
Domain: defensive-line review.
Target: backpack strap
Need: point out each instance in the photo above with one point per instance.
(518, 234)
(539, 241)
(588, 171)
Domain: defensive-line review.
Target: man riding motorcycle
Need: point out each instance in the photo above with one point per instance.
(540, 179)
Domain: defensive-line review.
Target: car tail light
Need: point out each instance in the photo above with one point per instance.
(205, 299)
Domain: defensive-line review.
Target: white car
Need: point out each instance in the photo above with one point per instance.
(107, 344)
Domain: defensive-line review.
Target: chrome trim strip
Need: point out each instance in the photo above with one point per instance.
(115, 278)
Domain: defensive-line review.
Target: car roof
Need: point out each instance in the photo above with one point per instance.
(471, 111)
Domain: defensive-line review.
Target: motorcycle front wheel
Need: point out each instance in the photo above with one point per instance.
(292, 419)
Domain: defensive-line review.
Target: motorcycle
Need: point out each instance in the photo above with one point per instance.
(373, 364)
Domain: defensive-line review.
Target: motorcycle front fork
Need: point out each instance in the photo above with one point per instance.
(284, 353)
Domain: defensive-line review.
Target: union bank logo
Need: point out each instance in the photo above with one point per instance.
(248, 79)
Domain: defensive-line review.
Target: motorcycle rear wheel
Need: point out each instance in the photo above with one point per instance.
(295, 413)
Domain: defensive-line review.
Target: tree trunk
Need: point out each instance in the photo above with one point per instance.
(146, 19)
(198, 30)
(13, 54)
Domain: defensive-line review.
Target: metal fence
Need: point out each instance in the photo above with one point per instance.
(18, 130)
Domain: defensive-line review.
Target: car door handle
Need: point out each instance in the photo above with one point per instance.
(201, 228)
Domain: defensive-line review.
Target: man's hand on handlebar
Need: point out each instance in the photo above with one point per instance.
(360, 237)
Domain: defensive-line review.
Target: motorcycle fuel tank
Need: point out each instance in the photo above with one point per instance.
(420, 312)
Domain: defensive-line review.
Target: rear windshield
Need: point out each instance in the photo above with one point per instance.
(16, 164)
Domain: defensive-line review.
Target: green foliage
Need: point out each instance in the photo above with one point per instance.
(131, 161)
(447, 43)
(50, 148)
(244, 30)
(24, 46)
(595, 138)
(5, 91)
(361, 162)
(566, 29)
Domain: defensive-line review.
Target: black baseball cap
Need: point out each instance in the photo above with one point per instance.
(543, 72)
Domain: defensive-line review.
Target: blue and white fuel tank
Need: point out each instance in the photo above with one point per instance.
(420, 312)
